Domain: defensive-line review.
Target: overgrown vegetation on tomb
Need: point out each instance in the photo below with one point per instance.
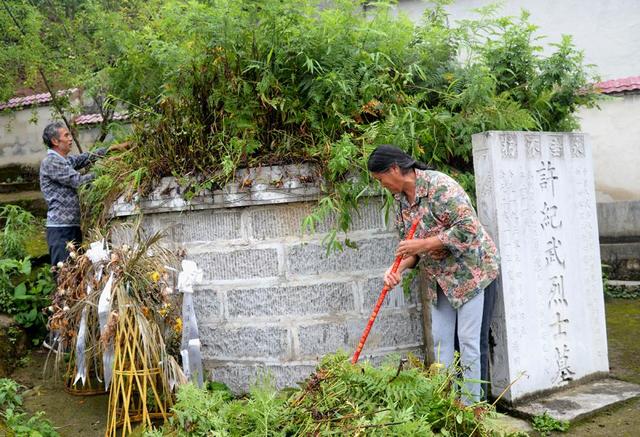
(215, 86)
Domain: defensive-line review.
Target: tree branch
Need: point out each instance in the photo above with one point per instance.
(54, 97)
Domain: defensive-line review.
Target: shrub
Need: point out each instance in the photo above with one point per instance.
(18, 225)
(25, 293)
(18, 422)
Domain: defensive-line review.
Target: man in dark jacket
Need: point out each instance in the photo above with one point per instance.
(59, 182)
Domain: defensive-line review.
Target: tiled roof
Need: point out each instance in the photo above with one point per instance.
(619, 85)
(97, 118)
(34, 99)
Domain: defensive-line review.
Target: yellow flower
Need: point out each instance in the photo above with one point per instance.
(164, 310)
(178, 326)
(155, 276)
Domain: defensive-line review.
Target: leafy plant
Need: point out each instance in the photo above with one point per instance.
(614, 291)
(274, 82)
(15, 419)
(35, 426)
(25, 294)
(30, 298)
(9, 397)
(338, 399)
(622, 292)
(18, 225)
(11, 271)
(545, 424)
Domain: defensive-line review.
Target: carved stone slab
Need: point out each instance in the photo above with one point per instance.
(535, 194)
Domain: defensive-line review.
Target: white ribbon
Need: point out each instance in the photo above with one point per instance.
(96, 254)
(190, 346)
(104, 309)
(81, 368)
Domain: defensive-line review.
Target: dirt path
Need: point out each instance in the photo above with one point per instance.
(74, 416)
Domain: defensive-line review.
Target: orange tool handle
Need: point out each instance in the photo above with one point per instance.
(383, 294)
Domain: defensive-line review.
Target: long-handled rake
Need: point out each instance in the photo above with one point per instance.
(383, 294)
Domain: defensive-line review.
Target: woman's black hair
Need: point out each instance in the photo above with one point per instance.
(385, 156)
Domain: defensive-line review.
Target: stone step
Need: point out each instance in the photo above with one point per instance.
(581, 401)
(17, 187)
(32, 201)
(622, 250)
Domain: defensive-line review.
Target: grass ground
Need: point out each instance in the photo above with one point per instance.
(623, 328)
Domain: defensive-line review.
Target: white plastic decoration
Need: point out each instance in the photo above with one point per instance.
(190, 346)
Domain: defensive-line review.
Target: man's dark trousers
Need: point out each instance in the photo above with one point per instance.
(57, 239)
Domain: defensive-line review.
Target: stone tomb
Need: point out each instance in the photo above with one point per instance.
(536, 197)
(272, 300)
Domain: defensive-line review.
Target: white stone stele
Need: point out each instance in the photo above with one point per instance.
(536, 198)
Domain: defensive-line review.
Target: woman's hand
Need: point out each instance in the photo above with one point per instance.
(392, 279)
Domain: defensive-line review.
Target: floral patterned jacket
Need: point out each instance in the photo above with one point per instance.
(446, 211)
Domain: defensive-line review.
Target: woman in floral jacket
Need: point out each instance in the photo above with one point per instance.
(451, 249)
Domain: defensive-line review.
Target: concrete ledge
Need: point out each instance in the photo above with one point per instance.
(619, 219)
(580, 401)
(252, 186)
(626, 284)
(618, 251)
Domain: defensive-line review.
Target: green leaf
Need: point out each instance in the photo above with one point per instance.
(20, 291)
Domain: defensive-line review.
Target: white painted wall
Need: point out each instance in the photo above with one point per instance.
(21, 136)
(607, 30)
(615, 135)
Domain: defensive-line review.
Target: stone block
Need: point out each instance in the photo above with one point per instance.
(389, 331)
(619, 220)
(278, 221)
(225, 342)
(312, 258)
(396, 298)
(206, 225)
(238, 264)
(239, 378)
(207, 306)
(286, 220)
(320, 298)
